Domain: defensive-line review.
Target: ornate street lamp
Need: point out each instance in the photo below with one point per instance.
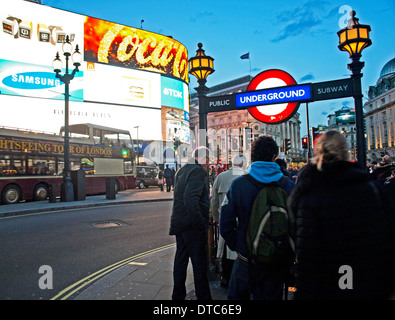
(353, 39)
(201, 66)
(67, 193)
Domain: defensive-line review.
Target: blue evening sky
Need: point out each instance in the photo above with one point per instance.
(298, 37)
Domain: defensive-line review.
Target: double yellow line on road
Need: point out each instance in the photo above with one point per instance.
(70, 290)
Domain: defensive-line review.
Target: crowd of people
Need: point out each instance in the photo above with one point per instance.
(341, 224)
(166, 177)
(290, 171)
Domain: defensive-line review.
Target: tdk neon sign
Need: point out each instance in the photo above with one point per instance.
(273, 96)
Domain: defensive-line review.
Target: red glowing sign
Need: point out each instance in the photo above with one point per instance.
(273, 113)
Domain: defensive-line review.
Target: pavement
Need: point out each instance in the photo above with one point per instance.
(147, 276)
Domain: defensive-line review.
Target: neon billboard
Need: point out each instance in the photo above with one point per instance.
(116, 44)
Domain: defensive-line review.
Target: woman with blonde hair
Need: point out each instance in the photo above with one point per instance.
(329, 147)
(344, 228)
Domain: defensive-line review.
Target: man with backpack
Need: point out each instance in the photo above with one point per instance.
(254, 223)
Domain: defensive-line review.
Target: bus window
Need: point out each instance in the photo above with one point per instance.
(75, 164)
(125, 141)
(39, 165)
(12, 165)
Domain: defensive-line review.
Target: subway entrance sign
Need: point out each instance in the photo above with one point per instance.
(332, 89)
(220, 103)
(273, 96)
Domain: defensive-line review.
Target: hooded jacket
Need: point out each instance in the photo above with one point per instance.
(343, 218)
(236, 209)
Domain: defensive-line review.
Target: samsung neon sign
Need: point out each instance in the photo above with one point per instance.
(32, 80)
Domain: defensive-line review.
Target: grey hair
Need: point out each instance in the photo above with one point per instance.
(200, 154)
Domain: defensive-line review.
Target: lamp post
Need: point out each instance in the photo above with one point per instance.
(67, 193)
(353, 39)
(201, 66)
(138, 149)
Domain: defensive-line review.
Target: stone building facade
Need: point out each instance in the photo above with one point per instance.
(380, 115)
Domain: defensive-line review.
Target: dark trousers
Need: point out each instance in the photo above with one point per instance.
(168, 184)
(256, 282)
(227, 266)
(192, 245)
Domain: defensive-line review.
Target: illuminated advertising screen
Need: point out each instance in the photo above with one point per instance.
(345, 116)
(111, 84)
(48, 115)
(32, 80)
(115, 44)
(174, 93)
(33, 33)
(128, 77)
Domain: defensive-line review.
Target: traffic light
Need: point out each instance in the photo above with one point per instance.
(304, 142)
(235, 144)
(176, 143)
(287, 145)
(125, 153)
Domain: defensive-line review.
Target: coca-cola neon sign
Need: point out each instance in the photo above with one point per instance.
(115, 44)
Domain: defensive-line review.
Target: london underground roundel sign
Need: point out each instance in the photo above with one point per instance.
(273, 113)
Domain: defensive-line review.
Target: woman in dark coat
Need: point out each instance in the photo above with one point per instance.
(344, 228)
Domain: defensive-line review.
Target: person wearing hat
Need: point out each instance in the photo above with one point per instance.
(220, 188)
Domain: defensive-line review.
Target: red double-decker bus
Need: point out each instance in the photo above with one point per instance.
(32, 162)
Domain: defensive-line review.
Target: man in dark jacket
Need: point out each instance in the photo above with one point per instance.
(234, 220)
(189, 223)
(384, 171)
(168, 178)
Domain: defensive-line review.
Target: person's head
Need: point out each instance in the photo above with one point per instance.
(264, 149)
(329, 147)
(282, 163)
(240, 160)
(386, 159)
(202, 156)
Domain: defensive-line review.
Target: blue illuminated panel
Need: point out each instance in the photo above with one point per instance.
(273, 96)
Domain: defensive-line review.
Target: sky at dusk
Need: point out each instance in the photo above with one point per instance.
(299, 37)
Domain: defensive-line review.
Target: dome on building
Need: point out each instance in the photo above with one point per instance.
(388, 68)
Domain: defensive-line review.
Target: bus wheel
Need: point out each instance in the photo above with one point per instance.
(11, 194)
(40, 192)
